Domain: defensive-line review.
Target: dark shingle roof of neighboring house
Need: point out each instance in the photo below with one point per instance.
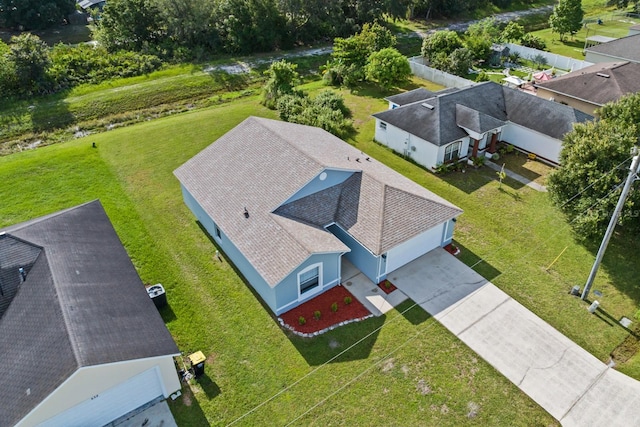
(436, 119)
(625, 48)
(82, 304)
(475, 120)
(414, 95)
(262, 163)
(598, 83)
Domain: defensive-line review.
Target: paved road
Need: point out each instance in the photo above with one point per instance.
(572, 385)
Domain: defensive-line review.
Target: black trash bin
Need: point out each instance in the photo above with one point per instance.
(197, 363)
(157, 295)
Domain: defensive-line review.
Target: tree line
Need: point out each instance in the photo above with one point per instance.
(28, 67)
(194, 29)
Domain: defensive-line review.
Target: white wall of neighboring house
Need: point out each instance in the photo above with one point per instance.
(423, 153)
(596, 57)
(532, 141)
(88, 382)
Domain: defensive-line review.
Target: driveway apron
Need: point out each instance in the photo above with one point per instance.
(568, 382)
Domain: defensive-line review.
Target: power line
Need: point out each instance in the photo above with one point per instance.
(430, 325)
(560, 207)
(287, 388)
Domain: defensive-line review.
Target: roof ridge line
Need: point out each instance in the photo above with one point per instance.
(286, 137)
(385, 187)
(37, 220)
(424, 198)
(67, 323)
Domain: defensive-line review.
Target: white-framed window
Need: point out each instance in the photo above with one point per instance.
(452, 151)
(382, 126)
(310, 279)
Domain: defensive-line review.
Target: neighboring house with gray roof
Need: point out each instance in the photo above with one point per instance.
(286, 202)
(81, 342)
(590, 88)
(623, 49)
(469, 122)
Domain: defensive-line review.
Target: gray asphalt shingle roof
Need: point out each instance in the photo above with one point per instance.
(82, 304)
(440, 122)
(599, 83)
(625, 48)
(261, 163)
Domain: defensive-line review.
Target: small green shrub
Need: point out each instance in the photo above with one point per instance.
(478, 161)
(387, 284)
(317, 314)
(495, 156)
(302, 320)
(443, 168)
(334, 307)
(347, 300)
(482, 77)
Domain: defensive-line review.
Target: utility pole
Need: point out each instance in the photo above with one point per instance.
(633, 170)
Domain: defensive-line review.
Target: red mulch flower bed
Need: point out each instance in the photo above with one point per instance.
(453, 250)
(387, 287)
(346, 312)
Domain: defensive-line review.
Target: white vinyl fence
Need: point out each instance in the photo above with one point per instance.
(553, 60)
(440, 77)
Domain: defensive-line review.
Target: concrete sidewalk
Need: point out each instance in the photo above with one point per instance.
(572, 385)
(521, 179)
(367, 292)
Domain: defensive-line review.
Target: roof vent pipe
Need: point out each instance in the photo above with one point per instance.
(23, 275)
(246, 213)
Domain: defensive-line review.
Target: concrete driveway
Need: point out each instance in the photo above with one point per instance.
(572, 385)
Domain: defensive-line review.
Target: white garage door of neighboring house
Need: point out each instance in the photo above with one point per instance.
(111, 404)
(414, 248)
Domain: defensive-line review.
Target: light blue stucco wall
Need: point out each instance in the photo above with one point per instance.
(334, 177)
(248, 271)
(359, 256)
(447, 233)
(287, 290)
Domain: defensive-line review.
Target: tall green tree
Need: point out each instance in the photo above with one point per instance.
(586, 184)
(566, 17)
(130, 25)
(388, 67)
(350, 55)
(440, 43)
(8, 76)
(282, 79)
(480, 36)
(513, 32)
(34, 14)
(30, 58)
(250, 26)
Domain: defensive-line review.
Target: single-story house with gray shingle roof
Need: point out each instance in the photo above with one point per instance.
(469, 122)
(622, 49)
(286, 202)
(590, 88)
(81, 342)
(411, 96)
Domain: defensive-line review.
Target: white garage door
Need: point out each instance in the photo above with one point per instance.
(413, 248)
(111, 404)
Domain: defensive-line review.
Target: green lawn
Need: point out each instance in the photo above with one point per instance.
(613, 25)
(400, 369)
(431, 378)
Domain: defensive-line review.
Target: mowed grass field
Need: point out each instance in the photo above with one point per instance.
(400, 369)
